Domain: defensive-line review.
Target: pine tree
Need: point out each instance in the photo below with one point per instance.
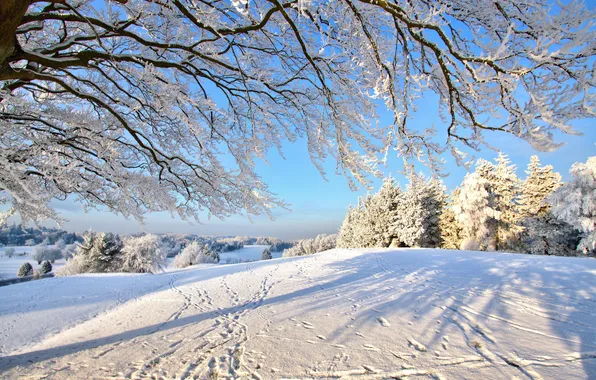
(474, 211)
(505, 187)
(266, 254)
(46, 267)
(575, 203)
(418, 213)
(25, 270)
(345, 235)
(450, 230)
(539, 184)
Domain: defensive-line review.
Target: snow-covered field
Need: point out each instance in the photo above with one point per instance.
(248, 253)
(10, 266)
(342, 313)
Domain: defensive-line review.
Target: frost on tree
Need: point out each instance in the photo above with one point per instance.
(475, 213)
(196, 253)
(131, 104)
(418, 213)
(544, 234)
(99, 253)
(144, 254)
(449, 227)
(371, 222)
(575, 203)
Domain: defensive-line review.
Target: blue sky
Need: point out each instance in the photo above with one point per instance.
(318, 206)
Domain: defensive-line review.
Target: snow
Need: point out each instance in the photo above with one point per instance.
(248, 253)
(10, 266)
(367, 313)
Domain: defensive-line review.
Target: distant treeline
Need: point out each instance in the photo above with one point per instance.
(18, 235)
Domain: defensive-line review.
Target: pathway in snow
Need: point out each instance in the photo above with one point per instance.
(339, 314)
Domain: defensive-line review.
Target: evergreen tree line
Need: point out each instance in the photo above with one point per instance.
(491, 210)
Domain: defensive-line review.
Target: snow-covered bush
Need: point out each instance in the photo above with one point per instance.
(9, 252)
(196, 253)
(266, 254)
(43, 252)
(99, 253)
(30, 242)
(575, 203)
(46, 267)
(320, 243)
(145, 254)
(25, 270)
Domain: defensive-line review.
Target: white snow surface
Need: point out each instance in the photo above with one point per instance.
(248, 253)
(362, 313)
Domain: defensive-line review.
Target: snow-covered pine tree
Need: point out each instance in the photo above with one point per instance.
(371, 222)
(266, 254)
(418, 213)
(474, 211)
(345, 235)
(543, 233)
(540, 183)
(448, 225)
(505, 189)
(575, 203)
(99, 253)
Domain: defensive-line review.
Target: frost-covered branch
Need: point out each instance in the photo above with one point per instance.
(144, 106)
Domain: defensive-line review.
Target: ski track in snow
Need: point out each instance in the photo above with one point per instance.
(371, 314)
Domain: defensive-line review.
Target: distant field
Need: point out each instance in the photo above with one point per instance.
(10, 266)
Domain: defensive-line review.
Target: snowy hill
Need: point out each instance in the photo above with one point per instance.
(342, 313)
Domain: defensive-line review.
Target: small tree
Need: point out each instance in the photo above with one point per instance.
(25, 270)
(266, 255)
(46, 267)
(9, 252)
(145, 254)
(39, 253)
(196, 253)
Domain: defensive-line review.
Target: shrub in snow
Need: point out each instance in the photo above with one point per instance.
(25, 270)
(99, 253)
(196, 253)
(30, 242)
(304, 247)
(145, 254)
(9, 252)
(575, 203)
(266, 255)
(60, 245)
(46, 267)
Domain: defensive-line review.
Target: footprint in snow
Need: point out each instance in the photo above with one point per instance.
(322, 337)
(383, 322)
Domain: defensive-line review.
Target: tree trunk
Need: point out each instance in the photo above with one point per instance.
(11, 14)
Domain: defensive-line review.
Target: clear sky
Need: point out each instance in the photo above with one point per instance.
(318, 206)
